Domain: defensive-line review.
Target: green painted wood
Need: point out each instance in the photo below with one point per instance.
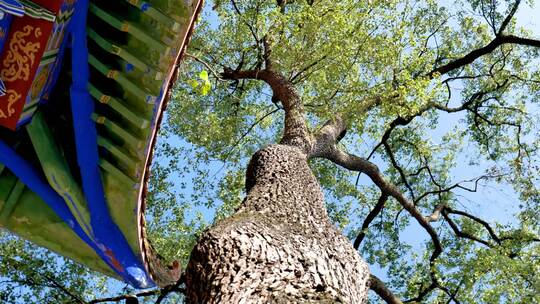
(157, 15)
(129, 27)
(30, 218)
(119, 107)
(123, 159)
(113, 170)
(117, 50)
(11, 202)
(134, 144)
(57, 170)
(122, 80)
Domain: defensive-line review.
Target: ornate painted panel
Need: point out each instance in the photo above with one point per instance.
(31, 39)
(84, 84)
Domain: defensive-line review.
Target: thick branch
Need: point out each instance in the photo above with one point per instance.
(267, 53)
(282, 4)
(355, 163)
(382, 291)
(370, 217)
(330, 134)
(490, 47)
(478, 220)
(436, 215)
(509, 17)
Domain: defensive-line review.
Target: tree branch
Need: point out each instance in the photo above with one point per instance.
(475, 54)
(203, 63)
(282, 4)
(267, 53)
(13, 263)
(58, 285)
(329, 135)
(161, 293)
(403, 121)
(476, 219)
(454, 186)
(306, 68)
(508, 17)
(382, 291)
(251, 29)
(462, 234)
(356, 163)
(125, 297)
(398, 168)
(296, 132)
(436, 215)
(370, 217)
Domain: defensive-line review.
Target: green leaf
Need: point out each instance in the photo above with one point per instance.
(193, 83)
(203, 75)
(206, 87)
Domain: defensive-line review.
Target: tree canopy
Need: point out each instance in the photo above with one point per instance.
(439, 101)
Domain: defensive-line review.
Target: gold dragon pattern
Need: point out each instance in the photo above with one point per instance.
(13, 97)
(21, 55)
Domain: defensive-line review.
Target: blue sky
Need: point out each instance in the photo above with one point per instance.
(529, 17)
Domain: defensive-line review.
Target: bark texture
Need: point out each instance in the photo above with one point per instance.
(279, 247)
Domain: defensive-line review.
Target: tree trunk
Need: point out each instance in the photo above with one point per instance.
(279, 246)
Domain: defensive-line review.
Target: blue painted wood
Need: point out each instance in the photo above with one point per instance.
(107, 233)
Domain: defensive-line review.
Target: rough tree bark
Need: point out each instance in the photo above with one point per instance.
(279, 246)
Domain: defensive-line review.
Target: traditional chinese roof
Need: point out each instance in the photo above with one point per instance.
(85, 85)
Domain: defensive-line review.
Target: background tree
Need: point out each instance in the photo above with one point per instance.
(438, 100)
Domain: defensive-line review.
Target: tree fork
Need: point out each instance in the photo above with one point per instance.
(279, 246)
